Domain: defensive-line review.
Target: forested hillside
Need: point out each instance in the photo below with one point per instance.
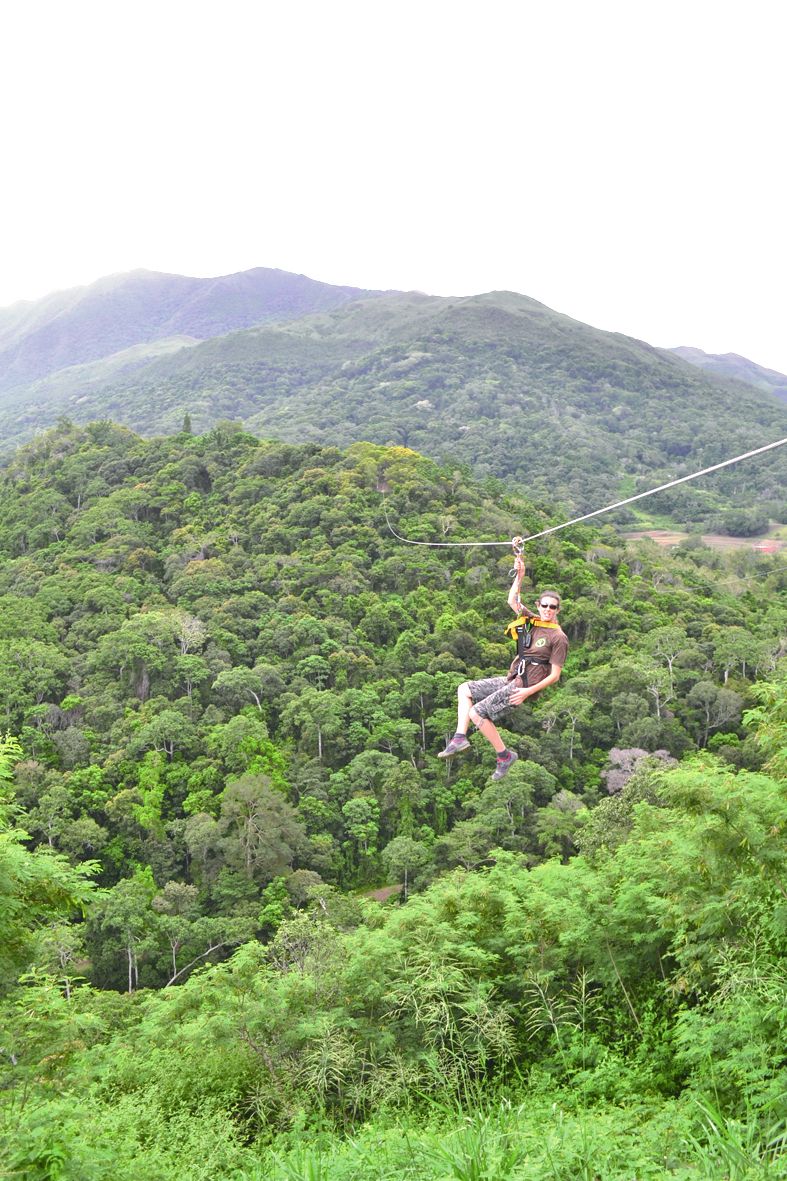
(118, 312)
(498, 382)
(224, 685)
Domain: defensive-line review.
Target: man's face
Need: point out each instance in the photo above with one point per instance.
(548, 607)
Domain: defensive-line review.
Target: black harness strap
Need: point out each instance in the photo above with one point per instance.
(524, 661)
(524, 638)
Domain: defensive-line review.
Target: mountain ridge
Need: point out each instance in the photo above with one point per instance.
(734, 366)
(498, 382)
(116, 312)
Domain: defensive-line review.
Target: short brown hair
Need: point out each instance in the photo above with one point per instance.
(554, 594)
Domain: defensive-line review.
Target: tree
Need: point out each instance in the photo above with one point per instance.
(124, 913)
(668, 644)
(192, 672)
(715, 706)
(36, 888)
(769, 722)
(261, 833)
(470, 842)
(31, 671)
(557, 824)
(83, 838)
(140, 649)
(315, 715)
(239, 685)
(166, 733)
(316, 670)
(567, 706)
(362, 821)
(59, 946)
(402, 856)
(419, 693)
(510, 802)
(52, 814)
(190, 632)
(178, 906)
(661, 690)
(202, 836)
(733, 646)
(242, 744)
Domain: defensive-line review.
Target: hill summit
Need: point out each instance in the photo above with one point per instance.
(118, 312)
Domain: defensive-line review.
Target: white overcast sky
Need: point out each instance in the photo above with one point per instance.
(623, 162)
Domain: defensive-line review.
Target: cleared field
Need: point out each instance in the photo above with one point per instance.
(667, 537)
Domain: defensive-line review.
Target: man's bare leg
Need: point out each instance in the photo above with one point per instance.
(459, 741)
(488, 730)
(505, 758)
(465, 705)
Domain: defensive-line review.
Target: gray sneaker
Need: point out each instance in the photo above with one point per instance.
(453, 748)
(504, 764)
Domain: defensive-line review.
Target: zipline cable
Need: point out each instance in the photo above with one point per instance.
(760, 574)
(597, 512)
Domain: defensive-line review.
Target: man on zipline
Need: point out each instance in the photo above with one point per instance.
(542, 647)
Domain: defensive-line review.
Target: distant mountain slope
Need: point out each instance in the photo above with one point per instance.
(118, 312)
(498, 382)
(737, 368)
(76, 382)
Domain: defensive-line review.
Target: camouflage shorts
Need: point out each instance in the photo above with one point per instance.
(491, 696)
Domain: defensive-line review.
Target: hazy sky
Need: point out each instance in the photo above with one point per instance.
(623, 162)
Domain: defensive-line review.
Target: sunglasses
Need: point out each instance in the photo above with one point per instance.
(549, 606)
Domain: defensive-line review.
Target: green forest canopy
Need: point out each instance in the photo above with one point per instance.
(229, 683)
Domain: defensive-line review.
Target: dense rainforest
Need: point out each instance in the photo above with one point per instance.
(251, 926)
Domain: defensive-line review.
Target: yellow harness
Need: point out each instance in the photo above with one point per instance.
(522, 630)
(528, 621)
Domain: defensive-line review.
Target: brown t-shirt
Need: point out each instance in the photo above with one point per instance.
(549, 642)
